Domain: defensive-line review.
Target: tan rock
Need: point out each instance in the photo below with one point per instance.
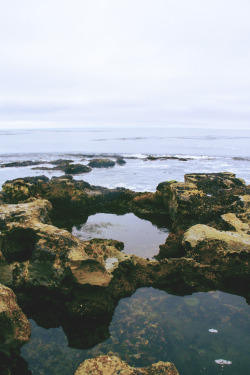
(14, 326)
(199, 233)
(112, 365)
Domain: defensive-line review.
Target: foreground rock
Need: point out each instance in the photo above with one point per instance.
(107, 365)
(208, 247)
(14, 329)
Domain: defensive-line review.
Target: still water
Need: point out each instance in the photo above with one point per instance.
(140, 237)
(191, 331)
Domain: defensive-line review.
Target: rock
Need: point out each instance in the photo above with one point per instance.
(89, 277)
(150, 157)
(120, 161)
(101, 163)
(202, 198)
(61, 161)
(15, 328)
(75, 168)
(26, 163)
(212, 182)
(109, 364)
(173, 247)
(226, 252)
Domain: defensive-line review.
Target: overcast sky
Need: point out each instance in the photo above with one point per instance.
(125, 62)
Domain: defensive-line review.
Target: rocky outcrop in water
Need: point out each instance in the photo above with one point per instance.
(101, 163)
(109, 364)
(208, 247)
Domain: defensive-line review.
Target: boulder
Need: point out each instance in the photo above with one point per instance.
(109, 364)
(101, 163)
(75, 168)
(202, 198)
(120, 161)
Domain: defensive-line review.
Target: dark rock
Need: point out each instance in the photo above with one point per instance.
(173, 247)
(26, 163)
(120, 161)
(75, 168)
(61, 161)
(101, 163)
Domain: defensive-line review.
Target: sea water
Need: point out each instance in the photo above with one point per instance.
(152, 326)
(205, 150)
(206, 333)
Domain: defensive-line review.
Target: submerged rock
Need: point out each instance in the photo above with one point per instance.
(109, 364)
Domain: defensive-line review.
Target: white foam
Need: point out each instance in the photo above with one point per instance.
(212, 330)
(222, 362)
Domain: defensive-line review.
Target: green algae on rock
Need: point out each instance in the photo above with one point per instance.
(208, 246)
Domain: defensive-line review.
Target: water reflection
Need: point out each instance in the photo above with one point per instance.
(153, 325)
(140, 236)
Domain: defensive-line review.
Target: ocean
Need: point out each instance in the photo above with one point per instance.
(204, 150)
(205, 333)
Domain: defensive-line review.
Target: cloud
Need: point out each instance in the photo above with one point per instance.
(125, 61)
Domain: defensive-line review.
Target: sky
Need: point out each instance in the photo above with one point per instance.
(70, 63)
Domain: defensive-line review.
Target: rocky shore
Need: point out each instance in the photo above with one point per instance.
(208, 248)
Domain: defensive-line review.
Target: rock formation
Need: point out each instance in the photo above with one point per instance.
(208, 246)
(109, 364)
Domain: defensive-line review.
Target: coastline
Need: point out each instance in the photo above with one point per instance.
(208, 246)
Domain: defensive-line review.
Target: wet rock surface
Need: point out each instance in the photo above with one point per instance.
(208, 247)
(109, 364)
(14, 329)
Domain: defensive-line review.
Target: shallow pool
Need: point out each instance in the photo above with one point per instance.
(192, 331)
(140, 236)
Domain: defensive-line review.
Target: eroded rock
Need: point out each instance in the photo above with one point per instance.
(109, 364)
(14, 329)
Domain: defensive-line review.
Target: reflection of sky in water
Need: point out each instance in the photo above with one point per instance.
(151, 326)
(140, 237)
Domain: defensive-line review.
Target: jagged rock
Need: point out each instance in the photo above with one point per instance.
(36, 254)
(212, 182)
(112, 365)
(202, 198)
(226, 252)
(14, 329)
(101, 163)
(173, 247)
